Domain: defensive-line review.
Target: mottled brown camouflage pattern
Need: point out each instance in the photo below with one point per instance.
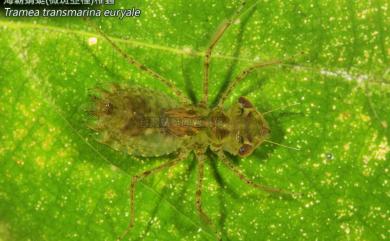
(131, 119)
(145, 122)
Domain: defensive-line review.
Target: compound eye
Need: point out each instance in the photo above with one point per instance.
(245, 102)
(245, 149)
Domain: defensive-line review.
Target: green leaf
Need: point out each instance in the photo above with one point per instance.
(58, 183)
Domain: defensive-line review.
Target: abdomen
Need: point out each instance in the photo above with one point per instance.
(131, 119)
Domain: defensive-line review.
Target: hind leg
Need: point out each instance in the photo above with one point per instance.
(135, 179)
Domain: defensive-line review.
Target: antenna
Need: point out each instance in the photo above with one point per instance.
(278, 144)
(281, 107)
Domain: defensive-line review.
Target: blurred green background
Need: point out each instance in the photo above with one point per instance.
(57, 183)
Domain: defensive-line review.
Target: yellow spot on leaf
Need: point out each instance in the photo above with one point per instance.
(92, 41)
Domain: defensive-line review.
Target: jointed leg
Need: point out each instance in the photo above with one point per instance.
(198, 197)
(246, 72)
(199, 185)
(206, 64)
(131, 60)
(245, 179)
(217, 36)
(242, 76)
(139, 177)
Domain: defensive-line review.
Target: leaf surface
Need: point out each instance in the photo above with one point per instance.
(58, 183)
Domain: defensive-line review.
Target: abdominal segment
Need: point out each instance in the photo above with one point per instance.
(133, 119)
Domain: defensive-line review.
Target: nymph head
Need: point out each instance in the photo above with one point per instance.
(248, 128)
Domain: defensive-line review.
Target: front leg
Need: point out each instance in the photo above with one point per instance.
(245, 179)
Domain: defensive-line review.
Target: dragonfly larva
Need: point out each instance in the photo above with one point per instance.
(147, 123)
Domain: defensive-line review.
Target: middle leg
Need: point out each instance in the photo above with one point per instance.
(205, 218)
(217, 36)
